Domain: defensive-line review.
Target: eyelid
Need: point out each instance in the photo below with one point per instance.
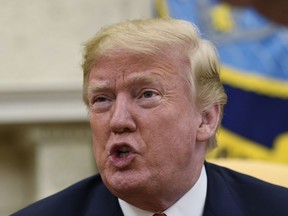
(153, 91)
(100, 106)
(94, 100)
(157, 95)
(102, 95)
(99, 91)
(149, 102)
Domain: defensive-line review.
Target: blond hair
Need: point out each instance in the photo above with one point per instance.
(152, 37)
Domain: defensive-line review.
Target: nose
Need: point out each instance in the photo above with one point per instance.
(121, 117)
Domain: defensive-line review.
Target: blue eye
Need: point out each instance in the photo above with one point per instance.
(148, 94)
(149, 98)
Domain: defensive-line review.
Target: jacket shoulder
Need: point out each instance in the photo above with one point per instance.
(253, 196)
(74, 200)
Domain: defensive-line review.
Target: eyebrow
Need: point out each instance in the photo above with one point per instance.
(132, 79)
(140, 78)
(98, 86)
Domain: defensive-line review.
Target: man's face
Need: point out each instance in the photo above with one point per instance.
(144, 123)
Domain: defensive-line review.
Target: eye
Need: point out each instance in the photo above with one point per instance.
(100, 103)
(149, 94)
(99, 99)
(149, 98)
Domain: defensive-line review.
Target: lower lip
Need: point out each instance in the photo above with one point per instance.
(122, 162)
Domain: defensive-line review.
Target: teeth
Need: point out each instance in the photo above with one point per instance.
(123, 151)
(122, 155)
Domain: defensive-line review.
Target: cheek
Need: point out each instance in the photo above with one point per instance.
(98, 151)
(171, 137)
(99, 128)
(99, 136)
(99, 155)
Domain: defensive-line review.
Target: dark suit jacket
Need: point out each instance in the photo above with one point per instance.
(229, 194)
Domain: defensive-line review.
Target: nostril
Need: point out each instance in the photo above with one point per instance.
(121, 130)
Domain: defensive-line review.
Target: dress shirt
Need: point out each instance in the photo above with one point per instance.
(191, 204)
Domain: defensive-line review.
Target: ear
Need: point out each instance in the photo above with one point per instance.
(208, 126)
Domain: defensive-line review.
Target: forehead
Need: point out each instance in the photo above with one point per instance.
(124, 64)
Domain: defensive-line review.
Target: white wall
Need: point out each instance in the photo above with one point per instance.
(41, 39)
(40, 52)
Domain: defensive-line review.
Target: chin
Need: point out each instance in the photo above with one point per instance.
(125, 182)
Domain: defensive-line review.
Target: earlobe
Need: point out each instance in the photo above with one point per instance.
(208, 126)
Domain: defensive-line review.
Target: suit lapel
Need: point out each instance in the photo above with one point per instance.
(220, 199)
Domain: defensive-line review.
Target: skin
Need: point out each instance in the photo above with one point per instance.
(142, 106)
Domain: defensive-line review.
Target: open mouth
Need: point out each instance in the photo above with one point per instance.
(122, 155)
(123, 151)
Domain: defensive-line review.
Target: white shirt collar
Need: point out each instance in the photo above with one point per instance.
(192, 203)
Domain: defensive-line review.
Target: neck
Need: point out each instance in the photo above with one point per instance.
(160, 200)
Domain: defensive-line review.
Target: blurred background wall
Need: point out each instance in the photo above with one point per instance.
(45, 142)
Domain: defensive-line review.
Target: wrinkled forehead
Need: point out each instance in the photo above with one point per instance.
(126, 61)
